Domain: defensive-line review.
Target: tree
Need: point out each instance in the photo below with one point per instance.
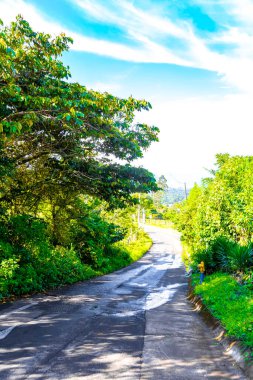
(58, 135)
(160, 195)
(221, 207)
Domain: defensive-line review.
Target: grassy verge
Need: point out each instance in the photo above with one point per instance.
(229, 302)
(124, 253)
(136, 249)
(159, 223)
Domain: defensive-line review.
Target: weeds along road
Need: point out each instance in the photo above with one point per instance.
(133, 324)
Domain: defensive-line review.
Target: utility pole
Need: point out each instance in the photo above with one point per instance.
(143, 216)
(139, 212)
(185, 191)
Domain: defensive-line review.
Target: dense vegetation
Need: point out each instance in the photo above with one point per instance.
(65, 167)
(155, 204)
(216, 222)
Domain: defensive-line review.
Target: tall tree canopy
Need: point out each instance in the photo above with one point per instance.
(57, 136)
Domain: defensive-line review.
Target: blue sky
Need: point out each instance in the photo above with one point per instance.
(191, 59)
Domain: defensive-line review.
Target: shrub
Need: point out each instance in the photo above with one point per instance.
(205, 255)
(224, 254)
(92, 236)
(240, 258)
(26, 230)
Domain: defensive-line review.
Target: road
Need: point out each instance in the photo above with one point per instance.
(135, 323)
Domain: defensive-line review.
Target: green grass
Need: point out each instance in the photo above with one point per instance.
(230, 302)
(139, 247)
(124, 253)
(159, 223)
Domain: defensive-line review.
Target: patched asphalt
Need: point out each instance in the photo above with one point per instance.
(135, 323)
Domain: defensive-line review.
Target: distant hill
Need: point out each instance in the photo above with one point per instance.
(174, 195)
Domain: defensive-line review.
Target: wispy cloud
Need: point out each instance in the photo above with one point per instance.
(149, 51)
(233, 66)
(150, 35)
(241, 11)
(132, 19)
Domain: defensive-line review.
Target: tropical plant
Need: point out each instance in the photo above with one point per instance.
(217, 217)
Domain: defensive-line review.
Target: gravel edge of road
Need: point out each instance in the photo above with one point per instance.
(231, 346)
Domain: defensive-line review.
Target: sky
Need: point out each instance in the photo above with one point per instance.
(192, 59)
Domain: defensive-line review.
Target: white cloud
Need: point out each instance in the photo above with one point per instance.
(133, 20)
(148, 52)
(9, 9)
(242, 11)
(235, 67)
(151, 24)
(193, 131)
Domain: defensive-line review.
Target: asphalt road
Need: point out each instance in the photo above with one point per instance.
(133, 324)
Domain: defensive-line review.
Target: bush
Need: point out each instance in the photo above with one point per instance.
(52, 269)
(29, 263)
(124, 253)
(205, 255)
(220, 249)
(240, 258)
(247, 279)
(224, 254)
(92, 236)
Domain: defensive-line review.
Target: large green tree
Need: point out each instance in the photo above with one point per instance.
(222, 206)
(57, 136)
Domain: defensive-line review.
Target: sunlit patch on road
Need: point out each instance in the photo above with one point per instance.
(161, 296)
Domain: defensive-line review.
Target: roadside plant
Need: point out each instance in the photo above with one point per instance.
(240, 258)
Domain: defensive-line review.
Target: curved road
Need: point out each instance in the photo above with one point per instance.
(133, 324)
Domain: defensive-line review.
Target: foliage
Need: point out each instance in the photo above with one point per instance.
(91, 236)
(231, 303)
(224, 255)
(138, 247)
(56, 134)
(159, 196)
(53, 268)
(216, 219)
(124, 253)
(247, 279)
(50, 267)
(65, 167)
(185, 216)
(233, 257)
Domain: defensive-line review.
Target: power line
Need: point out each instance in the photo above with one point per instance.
(174, 178)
